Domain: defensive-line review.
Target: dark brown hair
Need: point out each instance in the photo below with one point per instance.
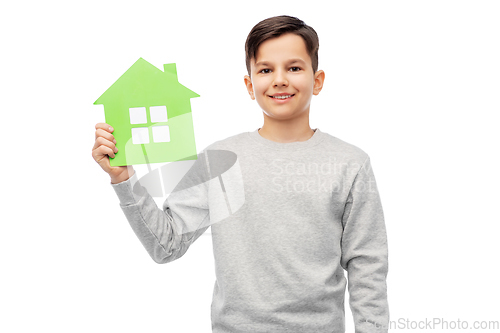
(276, 26)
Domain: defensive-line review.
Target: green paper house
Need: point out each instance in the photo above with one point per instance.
(150, 112)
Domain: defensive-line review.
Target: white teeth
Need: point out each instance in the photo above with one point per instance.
(282, 97)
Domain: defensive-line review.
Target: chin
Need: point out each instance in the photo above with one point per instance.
(283, 114)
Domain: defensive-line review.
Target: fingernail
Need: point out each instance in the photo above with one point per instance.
(111, 129)
(114, 140)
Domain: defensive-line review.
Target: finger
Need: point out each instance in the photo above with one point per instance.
(104, 150)
(100, 141)
(102, 133)
(106, 127)
(101, 151)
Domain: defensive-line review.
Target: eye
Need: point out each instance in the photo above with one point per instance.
(265, 71)
(295, 69)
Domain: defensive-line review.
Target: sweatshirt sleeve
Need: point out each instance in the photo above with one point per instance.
(166, 233)
(365, 253)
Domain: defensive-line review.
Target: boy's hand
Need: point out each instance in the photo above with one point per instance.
(104, 148)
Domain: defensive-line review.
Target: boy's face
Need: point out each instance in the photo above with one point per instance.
(282, 79)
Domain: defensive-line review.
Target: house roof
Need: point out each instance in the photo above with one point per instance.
(145, 83)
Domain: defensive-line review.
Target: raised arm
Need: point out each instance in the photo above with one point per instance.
(166, 234)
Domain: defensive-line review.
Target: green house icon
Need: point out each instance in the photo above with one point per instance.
(150, 112)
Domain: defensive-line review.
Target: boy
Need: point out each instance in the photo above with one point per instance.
(311, 208)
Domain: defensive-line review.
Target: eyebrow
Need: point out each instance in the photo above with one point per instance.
(289, 62)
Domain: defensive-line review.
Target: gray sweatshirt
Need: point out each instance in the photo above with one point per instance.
(286, 220)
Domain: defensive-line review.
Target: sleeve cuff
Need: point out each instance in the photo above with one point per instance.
(125, 191)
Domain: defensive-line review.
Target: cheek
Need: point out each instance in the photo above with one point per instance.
(304, 86)
(256, 86)
(259, 88)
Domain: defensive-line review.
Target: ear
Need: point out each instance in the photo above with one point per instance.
(319, 78)
(249, 85)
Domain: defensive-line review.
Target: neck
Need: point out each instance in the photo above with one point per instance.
(285, 131)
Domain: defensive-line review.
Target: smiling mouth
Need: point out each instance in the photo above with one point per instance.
(282, 96)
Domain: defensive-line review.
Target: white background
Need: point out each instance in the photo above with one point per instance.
(413, 83)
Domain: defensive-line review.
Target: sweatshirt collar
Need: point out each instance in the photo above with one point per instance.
(316, 138)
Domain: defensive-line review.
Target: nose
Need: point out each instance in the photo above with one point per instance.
(280, 78)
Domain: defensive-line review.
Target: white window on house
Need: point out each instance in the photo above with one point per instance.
(160, 133)
(158, 113)
(140, 135)
(138, 115)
